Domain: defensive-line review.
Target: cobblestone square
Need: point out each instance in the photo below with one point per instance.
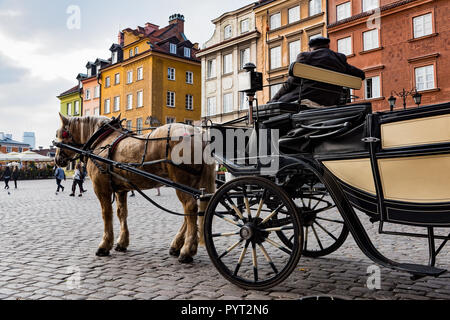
(49, 243)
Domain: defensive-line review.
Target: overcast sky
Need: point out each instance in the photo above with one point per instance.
(40, 56)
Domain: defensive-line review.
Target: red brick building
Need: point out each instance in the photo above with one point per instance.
(399, 44)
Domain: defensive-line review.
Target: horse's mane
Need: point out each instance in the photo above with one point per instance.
(83, 128)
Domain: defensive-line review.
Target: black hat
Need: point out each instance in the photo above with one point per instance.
(318, 42)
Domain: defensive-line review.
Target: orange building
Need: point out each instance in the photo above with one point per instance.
(91, 88)
(154, 77)
(399, 44)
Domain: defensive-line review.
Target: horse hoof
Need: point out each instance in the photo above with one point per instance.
(102, 253)
(186, 259)
(174, 252)
(119, 248)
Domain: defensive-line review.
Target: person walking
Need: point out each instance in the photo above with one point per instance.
(6, 176)
(83, 177)
(60, 176)
(15, 176)
(77, 181)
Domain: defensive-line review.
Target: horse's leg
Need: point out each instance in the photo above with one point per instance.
(122, 213)
(189, 248)
(107, 213)
(178, 242)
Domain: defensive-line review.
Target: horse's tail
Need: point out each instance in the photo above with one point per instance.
(208, 182)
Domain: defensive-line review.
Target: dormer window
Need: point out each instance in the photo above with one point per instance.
(131, 53)
(115, 57)
(227, 32)
(89, 72)
(187, 52)
(173, 48)
(136, 51)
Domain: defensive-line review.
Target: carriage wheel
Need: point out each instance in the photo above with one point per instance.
(324, 228)
(240, 233)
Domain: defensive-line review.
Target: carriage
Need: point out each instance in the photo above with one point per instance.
(302, 174)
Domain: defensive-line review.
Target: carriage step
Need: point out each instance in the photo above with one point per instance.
(421, 270)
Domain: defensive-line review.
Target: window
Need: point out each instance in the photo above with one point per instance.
(245, 26)
(245, 57)
(275, 21)
(187, 52)
(117, 78)
(370, 39)
(136, 51)
(89, 72)
(129, 102)
(368, 5)
(114, 57)
(8, 149)
(373, 88)
(315, 7)
(87, 113)
(211, 68)
(227, 103)
(77, 108)
(189, 122)
(131, 53)
(171, 74)
(170, 120)
(189, 77)
(107, 106)
(425, 78)
(130, 125)
(211, 106)
(275, 58)
(171, 99)
(107, 82)
(140, 73)
(294, 50)
(274, 89)
(243, 101)
(294, 14)
(227, 32)
(423, 25)
(173, 48)
(116, 104)
(129, 77)
(345, 46)
(343, 11)
(189, 102)
(96, 111)
(88, 95)
(140, 99)
(315, 36)
(139, 125)
(69, 109)
(97, 92)
(228, 63)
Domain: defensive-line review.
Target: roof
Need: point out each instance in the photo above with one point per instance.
(7, 140)
(70, 91)
(263, 3)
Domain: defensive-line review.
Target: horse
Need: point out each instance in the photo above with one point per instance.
(77, 131)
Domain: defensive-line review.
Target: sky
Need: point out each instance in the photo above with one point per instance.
(43, 48)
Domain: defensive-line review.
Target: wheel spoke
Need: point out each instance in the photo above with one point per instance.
(326, 231)
(234, 246)
(276, 245)
(235, 208)
(330, 220)
(277, 229)
(255, 262)
(241, 258)
(272, 214)
(268, 258)
(306, 238)
(317, 237)
(228, 220)
(261, 204)
(319, 201)
(229, 234)
(247, 205)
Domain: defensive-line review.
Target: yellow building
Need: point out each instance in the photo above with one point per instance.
(154, 77)
(286, 26)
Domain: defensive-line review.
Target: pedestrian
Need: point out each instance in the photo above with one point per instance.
(60, 176)
(6, 176)
(15, 176)
(77, 180)
(83, 177)
(159, 192)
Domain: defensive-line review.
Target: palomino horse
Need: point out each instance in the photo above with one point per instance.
(77, 131)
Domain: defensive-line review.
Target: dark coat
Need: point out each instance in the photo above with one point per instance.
(321, 58)
(6, 174)
(15, 174)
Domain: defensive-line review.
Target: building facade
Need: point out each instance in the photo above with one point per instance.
(399, 44)
(286, 28)
(7, 144)
(91, 87)
(71, 101)
(232, 45)
(154, 77)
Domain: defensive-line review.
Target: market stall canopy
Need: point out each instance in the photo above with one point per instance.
(32, 156)
(13, 156)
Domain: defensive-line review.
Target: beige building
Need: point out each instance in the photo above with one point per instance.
(223, 57)
(286, 27)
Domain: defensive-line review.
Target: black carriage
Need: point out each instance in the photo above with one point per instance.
(300, 198)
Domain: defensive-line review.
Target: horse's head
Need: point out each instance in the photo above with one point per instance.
(64, 135)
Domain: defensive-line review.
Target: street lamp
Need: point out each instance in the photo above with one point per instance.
(417, 98)
(404, 95)
(392, 101)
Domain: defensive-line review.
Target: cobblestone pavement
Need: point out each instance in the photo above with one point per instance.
(49, 243)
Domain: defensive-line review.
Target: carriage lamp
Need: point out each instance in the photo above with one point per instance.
(249, 83)
(417, 98)
(392, 101)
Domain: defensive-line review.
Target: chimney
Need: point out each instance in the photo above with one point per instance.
(150, 27)
(177, 19)
(120, 38)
